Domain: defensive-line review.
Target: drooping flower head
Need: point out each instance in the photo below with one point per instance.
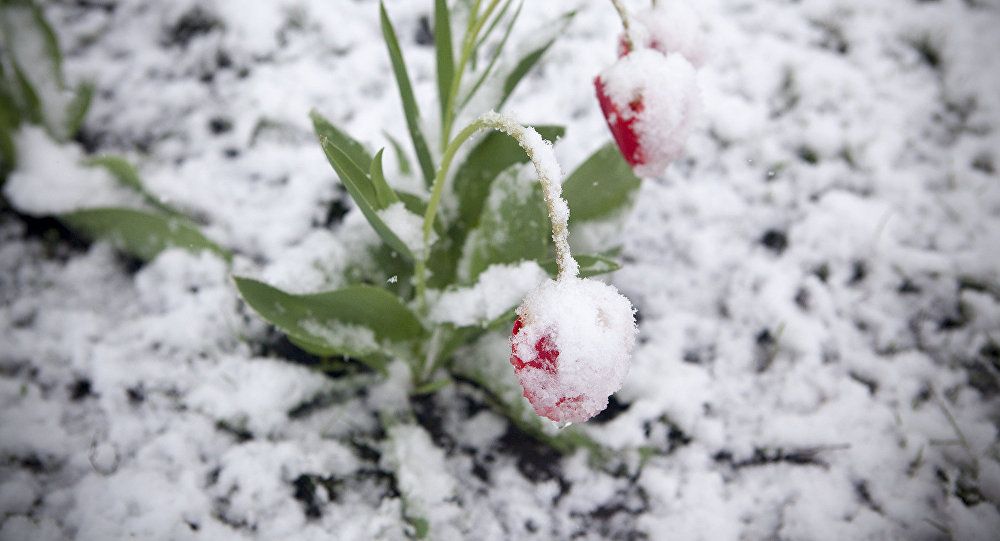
(570, 347)
(650, 102)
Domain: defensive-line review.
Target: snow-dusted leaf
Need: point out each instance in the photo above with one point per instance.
(356, 321)
(601, 186)
(445, 53)
(513, 226)
(139, 233)
(127, 176)
(358, 185)
(590, 265)
(410, 108)
(494, 153)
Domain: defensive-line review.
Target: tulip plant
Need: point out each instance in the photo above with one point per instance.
(450, 277)
(485, 242)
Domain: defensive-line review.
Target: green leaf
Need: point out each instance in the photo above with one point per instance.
(140, 233)
(590, 265)
(356, 321)
(410, 109)
(8, 153)
(350, 146)
(496, 52)
(529, 60)
(514, 225)
(603, 185)
(404, 162)
(383, 193)
(445, 53)
(494, 153)
(358, 185)
(77, 109)
(127, 176)
(432, 387)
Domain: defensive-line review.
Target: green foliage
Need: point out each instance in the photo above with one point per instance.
(513, 226)
(410, 108)
(139, 233)
(495, 215)
(127, 176)
(360, 321)
(523, 66)
(32, 81)
(601, 186)
(445, 54)
(494, 153)
(339, 149)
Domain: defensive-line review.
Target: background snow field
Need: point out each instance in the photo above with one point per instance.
(817, 285)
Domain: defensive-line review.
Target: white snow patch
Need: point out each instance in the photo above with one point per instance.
(50, 180)
(498, 289)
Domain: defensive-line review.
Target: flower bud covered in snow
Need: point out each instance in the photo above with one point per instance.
(650, 102)
(571, 346)
(669, 27)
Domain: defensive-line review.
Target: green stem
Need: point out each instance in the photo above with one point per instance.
(623, 15)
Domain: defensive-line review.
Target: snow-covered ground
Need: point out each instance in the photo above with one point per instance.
(818, 285)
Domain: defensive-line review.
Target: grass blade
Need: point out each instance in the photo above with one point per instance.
(445, 53)
(410, 108)
(526, 63)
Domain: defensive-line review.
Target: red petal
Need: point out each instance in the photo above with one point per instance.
(622, 129)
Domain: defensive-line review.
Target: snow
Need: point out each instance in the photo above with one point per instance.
(407, 226)
(591, 327)
(51, 180)
(150, 403)
(671, 27)
(498, 289)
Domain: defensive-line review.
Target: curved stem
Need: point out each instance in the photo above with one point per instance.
(549, 175)
(623, 15)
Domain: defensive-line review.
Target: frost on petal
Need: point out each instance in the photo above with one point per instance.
(571, 347)
(658, 97)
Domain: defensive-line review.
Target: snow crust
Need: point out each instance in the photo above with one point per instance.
(592, 328)
(667, 88)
